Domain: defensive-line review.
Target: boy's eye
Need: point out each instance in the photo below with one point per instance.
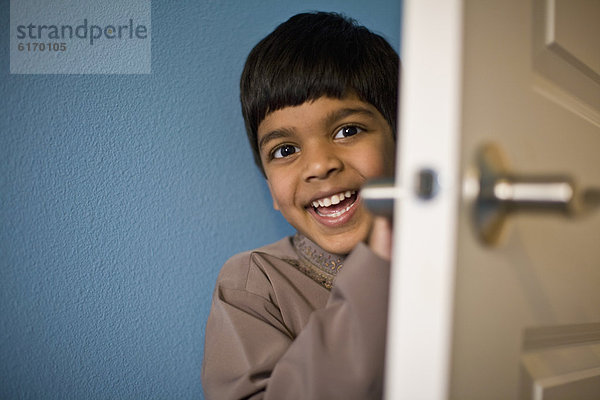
(285, 151)
(346, 131)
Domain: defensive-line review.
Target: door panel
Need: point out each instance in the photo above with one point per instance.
(567, 69)
(565, 22)
(525, 313)
(561, 362)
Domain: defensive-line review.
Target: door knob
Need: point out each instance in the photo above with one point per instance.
(379, 194)
(498, 193)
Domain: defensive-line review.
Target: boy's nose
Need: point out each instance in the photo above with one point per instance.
(321, 163)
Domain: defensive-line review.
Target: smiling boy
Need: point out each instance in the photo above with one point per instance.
(304, 318)
(316, 156)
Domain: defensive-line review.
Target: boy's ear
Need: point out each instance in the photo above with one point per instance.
(275, 205)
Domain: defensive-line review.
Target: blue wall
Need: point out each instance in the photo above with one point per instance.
(122, 195)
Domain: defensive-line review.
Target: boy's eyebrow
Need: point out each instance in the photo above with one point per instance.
(342, 113)
(276, 134)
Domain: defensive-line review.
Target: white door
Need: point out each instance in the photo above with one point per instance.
(518, 318)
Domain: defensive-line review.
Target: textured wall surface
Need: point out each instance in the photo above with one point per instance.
(122, 195)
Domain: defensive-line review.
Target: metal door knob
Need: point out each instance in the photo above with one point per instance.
(498, 193)
(379, 196)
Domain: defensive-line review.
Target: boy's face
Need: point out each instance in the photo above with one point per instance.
(316, 156)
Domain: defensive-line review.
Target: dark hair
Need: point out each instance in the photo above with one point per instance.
(313, 55)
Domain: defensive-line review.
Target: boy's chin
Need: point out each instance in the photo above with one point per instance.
(341, 240)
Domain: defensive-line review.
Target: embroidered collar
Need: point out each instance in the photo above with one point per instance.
(316, 263)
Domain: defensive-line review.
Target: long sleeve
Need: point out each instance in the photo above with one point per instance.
(255, 349)
(340, 352)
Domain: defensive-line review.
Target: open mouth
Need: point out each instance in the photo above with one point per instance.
(335, 206)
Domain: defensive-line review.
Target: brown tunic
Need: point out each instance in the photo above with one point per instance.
(275, 331)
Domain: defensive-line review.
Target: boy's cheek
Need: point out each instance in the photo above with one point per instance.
(377, 164)
(275, 203)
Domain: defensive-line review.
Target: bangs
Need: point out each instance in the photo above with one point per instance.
(294, 79)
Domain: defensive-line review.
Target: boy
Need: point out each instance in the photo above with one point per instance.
(319, 97)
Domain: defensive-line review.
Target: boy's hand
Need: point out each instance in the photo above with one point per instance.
(380, 239)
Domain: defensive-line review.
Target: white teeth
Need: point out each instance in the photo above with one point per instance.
(335, 199)
(337, 213)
